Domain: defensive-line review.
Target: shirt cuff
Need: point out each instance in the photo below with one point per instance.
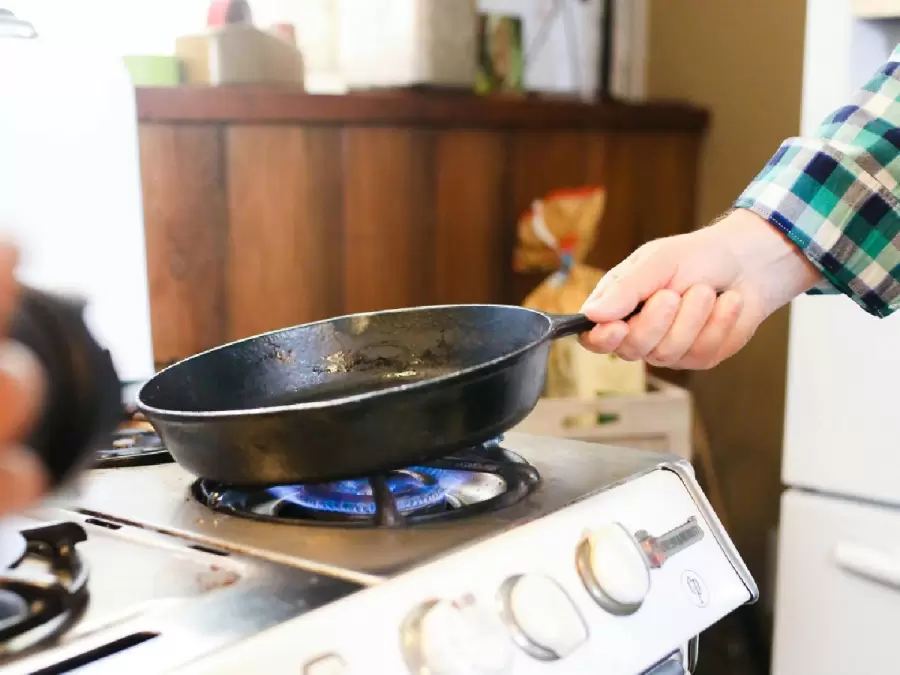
(845, 222)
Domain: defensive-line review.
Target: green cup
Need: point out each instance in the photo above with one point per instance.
(154, 71)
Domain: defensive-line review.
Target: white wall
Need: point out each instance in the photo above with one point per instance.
(151, 26)
(119, 26)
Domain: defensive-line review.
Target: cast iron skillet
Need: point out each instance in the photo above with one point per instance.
(355, 395)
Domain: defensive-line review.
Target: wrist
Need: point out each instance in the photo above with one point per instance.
(763, 252)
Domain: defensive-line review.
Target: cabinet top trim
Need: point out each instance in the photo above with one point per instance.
(398, 108)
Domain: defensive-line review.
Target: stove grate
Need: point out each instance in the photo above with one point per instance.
(33, 612)
(467, 484)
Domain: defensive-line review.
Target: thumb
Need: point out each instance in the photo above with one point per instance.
(624, 286)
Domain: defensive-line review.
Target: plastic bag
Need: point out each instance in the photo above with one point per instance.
(556, 235)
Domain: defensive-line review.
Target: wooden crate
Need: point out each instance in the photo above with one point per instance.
(659, 420)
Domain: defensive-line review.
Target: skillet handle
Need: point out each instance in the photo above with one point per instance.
(563, 325)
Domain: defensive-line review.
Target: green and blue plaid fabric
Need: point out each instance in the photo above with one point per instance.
(837, 195)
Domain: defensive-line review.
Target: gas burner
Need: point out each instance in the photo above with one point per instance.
(134, 443)
(475, 481)
(415, 489)
(132, 447)
(44, 592)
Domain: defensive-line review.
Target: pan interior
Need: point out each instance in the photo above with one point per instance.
(343, 357)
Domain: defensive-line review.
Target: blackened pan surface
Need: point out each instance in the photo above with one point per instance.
(351, 396)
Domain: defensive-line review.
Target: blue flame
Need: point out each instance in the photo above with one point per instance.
(417, 488)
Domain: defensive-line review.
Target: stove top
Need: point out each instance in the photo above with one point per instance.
(182, 573)
(115, 588)
(162, 497)
(134, 444)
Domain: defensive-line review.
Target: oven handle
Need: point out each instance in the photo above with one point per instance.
(869, 563)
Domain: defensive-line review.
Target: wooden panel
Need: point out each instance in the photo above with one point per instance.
(285, 234)
(322, 220)
(471, 259)
(669, 181)
(185, 224)
(539, 162)
(613, 163)
(388, 215)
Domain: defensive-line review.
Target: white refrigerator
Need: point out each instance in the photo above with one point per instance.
(837, 597)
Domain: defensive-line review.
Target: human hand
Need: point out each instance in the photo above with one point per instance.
(22, 478)
(752, 267)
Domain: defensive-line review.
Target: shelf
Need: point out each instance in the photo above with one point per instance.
(876, 9)
(427, 109)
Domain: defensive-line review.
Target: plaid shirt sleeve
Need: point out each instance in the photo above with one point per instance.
(836, 195)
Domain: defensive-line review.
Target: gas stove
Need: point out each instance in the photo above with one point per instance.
(525, 556)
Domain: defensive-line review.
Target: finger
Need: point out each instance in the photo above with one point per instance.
(9, 258)
(629, 286)
(697, 305)
(22, 479)
(650, 326)
(708, 349)
(616, 273)
(606, 281)
(745, 327)
(605, 339)
(21, 389)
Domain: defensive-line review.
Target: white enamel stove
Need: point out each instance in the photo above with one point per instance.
(587, 589)
(612, 565)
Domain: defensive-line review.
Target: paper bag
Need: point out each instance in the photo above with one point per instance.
(556, 235)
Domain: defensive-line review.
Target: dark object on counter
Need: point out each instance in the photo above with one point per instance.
(82, 404)
(356, 395)
(604, 88)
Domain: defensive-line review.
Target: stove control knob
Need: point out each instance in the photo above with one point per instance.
(542, 617)
(614, 569)
(457, 637)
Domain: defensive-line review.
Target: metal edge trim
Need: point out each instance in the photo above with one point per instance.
(685, 473)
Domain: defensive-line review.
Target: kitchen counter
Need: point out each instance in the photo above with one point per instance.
(267, 207)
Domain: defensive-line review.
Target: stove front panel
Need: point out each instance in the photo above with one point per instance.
(617, 583)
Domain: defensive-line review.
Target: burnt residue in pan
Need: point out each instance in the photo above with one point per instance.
(347, 373)
(374, 356)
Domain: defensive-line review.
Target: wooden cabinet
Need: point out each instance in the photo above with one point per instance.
(266, 208)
